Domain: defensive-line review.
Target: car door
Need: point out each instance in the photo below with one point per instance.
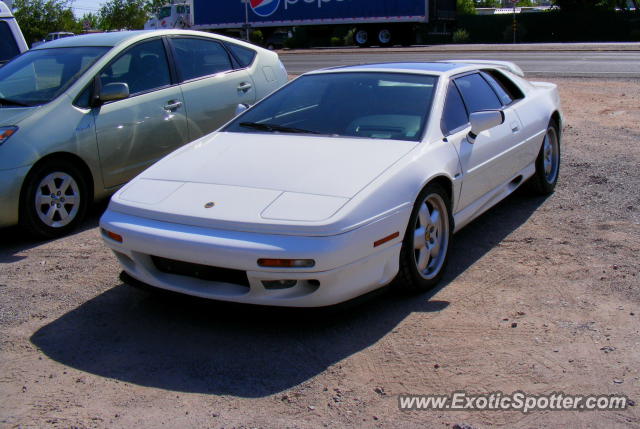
(485, 164)
(212, 87)
(135, 132)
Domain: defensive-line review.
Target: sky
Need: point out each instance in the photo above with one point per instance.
(80, 7)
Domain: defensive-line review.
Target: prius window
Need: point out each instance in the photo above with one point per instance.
(143, 67)
(200, 57)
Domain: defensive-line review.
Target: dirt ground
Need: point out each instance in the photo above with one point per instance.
(80, 349)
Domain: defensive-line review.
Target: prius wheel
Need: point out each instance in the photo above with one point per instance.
(426, 244)
(54, 199)
(545, 178)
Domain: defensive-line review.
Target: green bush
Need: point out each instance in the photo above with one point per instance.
(336, 41)
(257, 37)
(460, 36)
(348, 38)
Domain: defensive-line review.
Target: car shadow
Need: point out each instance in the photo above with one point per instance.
(16, 240)
(185, 344)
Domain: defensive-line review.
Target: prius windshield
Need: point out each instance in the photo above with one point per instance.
(38, 76)
(347, 104)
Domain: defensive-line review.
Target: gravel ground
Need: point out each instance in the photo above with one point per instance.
(541, 295)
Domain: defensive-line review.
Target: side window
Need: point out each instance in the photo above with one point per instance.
(200, 57)
(503, 84)
(454, 114)
(477, 93)
(244, 55)
(143, 67)
(8, 45)
(504, 96)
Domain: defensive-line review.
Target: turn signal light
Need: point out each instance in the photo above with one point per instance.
(286, 263)
(386, 239)
(112, 235)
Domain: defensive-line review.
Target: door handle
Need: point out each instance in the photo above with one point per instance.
(515, 127)
(244, 86)
(173, 105)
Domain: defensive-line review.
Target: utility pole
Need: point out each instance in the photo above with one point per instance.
(246, 19)
(514, 20)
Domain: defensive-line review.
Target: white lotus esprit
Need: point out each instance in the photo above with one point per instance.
(338, 183)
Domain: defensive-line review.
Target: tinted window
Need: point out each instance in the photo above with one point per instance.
(372, 105)
(40, 75)
(477, 93)
(506, 84)
(504, 96)
(244, 55)
(200, 57)
(455, 114)
(143, 67)
(8, 45)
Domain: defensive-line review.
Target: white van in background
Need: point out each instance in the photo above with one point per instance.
(12, 41)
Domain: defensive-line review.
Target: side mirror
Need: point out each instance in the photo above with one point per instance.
(484, 120)
(113, 92)
(241, 108)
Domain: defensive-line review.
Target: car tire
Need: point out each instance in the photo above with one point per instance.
(427, 241)
(543, 182)
(54, 200)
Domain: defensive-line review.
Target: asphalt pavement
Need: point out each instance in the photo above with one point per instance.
(599, 60)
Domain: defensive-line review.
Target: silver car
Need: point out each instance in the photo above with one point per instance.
(80, 116)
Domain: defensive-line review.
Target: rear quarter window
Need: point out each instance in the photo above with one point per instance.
(245, 56)
(504, 86)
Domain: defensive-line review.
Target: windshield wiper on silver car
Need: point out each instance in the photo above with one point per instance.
(275, 128)
(7, 102)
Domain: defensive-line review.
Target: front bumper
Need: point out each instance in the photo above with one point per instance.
(10, 184)
(347, 265)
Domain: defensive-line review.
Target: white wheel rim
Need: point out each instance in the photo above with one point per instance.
(361, 37)
(57, 199)
(431, 236)
(384, 36)
(550, 155)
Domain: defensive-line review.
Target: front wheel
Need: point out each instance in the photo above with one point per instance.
(54, 200)
(361, 37)
(425, 248)
(544, 180)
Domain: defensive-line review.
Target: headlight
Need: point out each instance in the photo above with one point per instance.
(6, 132)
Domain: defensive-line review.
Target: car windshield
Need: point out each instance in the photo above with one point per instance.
(351, 104)
(40, 75)
(164, 12)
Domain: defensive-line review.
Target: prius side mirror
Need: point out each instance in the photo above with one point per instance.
(482, 121)
(113, 92)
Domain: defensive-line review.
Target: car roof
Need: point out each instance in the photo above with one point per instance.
(432, 68)
(114, 38)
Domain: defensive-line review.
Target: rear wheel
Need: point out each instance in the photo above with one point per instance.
(54, 199)
(361, 37)
(385, 37)
(425, 248)
(544, 180)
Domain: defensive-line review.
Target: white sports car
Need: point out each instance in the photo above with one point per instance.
(338, 183)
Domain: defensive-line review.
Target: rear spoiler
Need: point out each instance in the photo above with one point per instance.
(507, 65)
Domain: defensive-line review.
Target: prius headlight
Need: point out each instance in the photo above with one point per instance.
(6, 132)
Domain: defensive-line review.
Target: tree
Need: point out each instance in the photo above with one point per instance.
(37, 18)
(90, 21)
(124, 14)
(465, 7)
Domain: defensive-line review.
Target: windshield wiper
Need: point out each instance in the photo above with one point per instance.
(7, 102)
(275, 128)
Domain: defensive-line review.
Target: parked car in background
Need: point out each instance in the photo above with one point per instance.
(12, 41)
(80, 116)
(53, 36)
(338, 183)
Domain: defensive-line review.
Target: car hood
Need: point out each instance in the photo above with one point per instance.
(258, 182)
(13, 115)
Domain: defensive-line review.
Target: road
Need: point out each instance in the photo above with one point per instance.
(544, 63)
